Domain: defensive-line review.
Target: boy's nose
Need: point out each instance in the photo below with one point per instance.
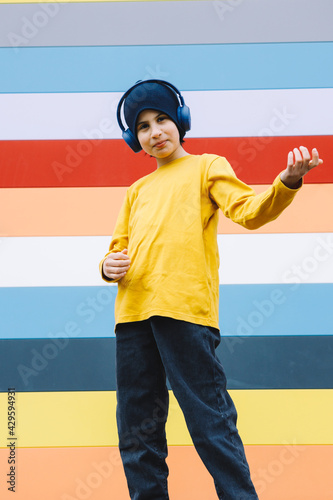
(155, 131)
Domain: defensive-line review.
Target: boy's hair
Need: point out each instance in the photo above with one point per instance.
(157, 95)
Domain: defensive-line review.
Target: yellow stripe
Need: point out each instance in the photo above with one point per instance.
(68, 212)
(62, 419)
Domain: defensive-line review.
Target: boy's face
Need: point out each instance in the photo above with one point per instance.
(158, 136)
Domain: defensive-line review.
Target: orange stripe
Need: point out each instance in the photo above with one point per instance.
(310, 212)
(93, 212)
(60, 212)
(110, 162)
(279, 472)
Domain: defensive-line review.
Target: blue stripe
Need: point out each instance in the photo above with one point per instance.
(281, 310)
(47, 312)
(88, 312)
(190, 67)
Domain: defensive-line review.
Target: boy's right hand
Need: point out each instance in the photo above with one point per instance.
(116, 265)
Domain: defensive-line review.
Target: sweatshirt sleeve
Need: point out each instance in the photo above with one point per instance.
(240, 203)
(119, 239)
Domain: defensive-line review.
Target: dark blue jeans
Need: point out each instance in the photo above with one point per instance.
(148, 352)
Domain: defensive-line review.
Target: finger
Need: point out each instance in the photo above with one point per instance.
(298, 157)
(114, 261)
(119, 277)
(315, 158)
(118, 256)
(290, 160)
(117, 272)
(115, 276)
(315, 153)
(305, 153)
(116, 264)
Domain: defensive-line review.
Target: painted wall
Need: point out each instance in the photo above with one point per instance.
(258, 77)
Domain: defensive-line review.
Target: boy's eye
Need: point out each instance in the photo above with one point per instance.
(142, 126)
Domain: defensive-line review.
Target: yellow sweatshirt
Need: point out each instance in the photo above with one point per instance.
(168, 223)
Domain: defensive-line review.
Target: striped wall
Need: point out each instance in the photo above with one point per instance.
(258, 77)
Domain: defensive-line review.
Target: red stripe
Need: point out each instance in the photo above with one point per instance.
(94, 163)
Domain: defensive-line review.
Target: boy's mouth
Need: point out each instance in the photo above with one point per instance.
(160, 144)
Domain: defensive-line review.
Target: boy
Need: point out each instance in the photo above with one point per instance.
(164, 256)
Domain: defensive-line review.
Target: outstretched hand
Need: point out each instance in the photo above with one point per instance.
(294, 172)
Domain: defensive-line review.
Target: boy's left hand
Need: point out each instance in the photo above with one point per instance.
(294, 172)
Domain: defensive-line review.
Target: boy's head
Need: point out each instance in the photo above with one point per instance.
(156, 95)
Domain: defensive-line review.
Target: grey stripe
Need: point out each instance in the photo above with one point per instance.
(160, 23)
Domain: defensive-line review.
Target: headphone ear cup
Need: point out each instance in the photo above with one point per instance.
(131, 140)
(184, 117)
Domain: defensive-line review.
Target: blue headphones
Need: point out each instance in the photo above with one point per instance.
(182, 117)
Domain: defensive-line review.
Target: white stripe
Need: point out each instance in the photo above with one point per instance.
(245, 259)
(276, 258)
(214, 114)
